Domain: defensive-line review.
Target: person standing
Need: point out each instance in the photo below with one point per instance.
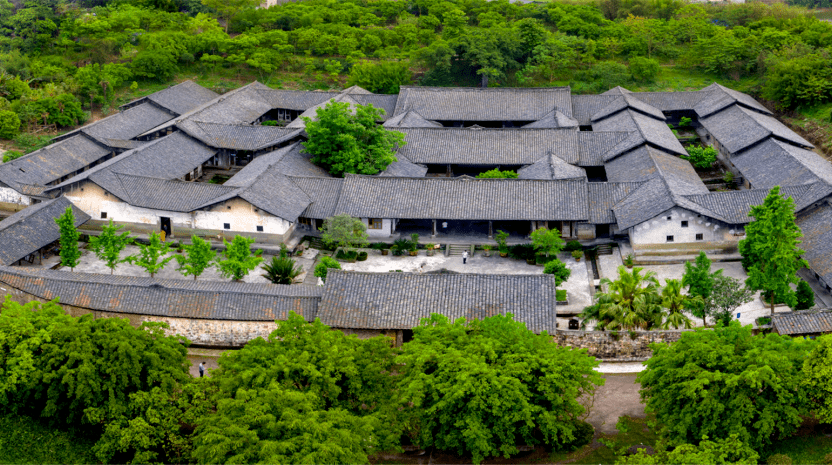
(201, 369)
(464, 256)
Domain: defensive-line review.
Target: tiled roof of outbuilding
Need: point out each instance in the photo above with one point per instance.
(385, 102)
(733, 206)
(462, 198)
(276, 194)
(168, 195)
(551, 167)
(323, 192)
(595, 147)
(718, 98)
(179, 298)
(401, 300)
(817, 240)
(467, 146)
(584, 106)
(182, 97)
(237, 136)
(404, 168)
(651, 130)
(119, 128)
(627, 101)
(671, 101)
(477, 104)
(644, 203)
(604, 195)
(775, 163)
(553, 120)
(737, 128)
(34, 227)
(297, 100)
(646, 162)
(802, 322)
(410, 119)
(52, 162)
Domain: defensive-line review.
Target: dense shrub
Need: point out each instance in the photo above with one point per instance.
(9, 124)
(701, 157)
(382, 78)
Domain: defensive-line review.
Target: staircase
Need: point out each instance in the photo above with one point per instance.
(604, 249)
(457, 249)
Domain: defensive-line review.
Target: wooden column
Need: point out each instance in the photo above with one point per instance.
(448, 172)
(490, 229)
(434, 229)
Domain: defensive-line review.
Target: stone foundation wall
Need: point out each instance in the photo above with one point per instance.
(611, 346)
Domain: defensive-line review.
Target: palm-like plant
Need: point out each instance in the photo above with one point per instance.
(281, 270)
(631, 302)
(674, 301)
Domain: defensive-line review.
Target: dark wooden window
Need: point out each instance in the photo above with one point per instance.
(226, 225)
(669, 238)
(684, 224)
(700, 237)
(259, 229)
(103, 215)
(374, 223)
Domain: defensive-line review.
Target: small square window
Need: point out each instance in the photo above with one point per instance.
(684, 224)
(259, 229)
(669, 218)
(374, 223)
(669, 238)
(103, 215)
(700, 237)
(226, 225)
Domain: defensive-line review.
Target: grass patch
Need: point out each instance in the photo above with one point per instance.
(561, 294)
(802, 449)
(632, 431)
(23, 440)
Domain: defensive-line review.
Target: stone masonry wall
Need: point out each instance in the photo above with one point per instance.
(611, 346)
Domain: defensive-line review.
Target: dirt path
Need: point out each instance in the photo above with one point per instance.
(617, 397)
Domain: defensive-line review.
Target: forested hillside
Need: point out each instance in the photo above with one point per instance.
(62, 62)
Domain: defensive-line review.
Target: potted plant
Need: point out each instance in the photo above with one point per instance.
(501, 238)
(486, 250)
(629, 261)
(430, 250)
(577, 254)
(385, 251)
(414, 244)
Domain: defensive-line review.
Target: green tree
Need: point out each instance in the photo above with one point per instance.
(817, 378)
(384, 77)
(727, 295)
(728, 451)
(9, 124)
(805, 296)
(307, 394)
(675, 302)
(701, 157)
(483, 387)
(108, 245)
(228, 9)
(151, 256)
(10, 155)
(630, 302)
(345, 138)
(497, 174)
(700, 282)
(726, 381)
(237, 259)
(70, 254)
(547, 241)
(326, 263)
(198, 257)
(82, 371)
(644, 69)
(344, 231)
(559, 270)
(282, 270)
(771, 245)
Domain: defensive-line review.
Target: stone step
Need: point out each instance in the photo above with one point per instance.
(604, 250)
(457, 249)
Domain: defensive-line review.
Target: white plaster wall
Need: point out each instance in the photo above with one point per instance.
(242, 216)
(385, 231)
(9, 195)
(656, 230)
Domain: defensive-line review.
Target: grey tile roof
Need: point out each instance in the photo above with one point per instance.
(296, 162)
(627, 101)
(312, 112)
(563, 170)
(297, 100)
(775, 163)
(403, 167)
(679, 174)
(34, 227)
(410, 119)
(719, 97)
(635, 166)
(554, 119)
(595, 147)
(603, 196)
(541, 169)
(671, 101)
(644, 203)
(324, 193)
(653, 131)
(475, 146)
(117, 130)
(182, 97)
(385, 102)
(802, 322)
(276, 194)
(401, 300)
(736, 128)
(584, 106)
(732, 207)
(180, 298)
(817, 240)
(52, 162)
(237, 136)
(617, 90)
(463, 198)
(169, 195)
(289, 160)
(477, 104)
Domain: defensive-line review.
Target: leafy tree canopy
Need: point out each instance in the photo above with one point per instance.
(483, 387)
(238, 259)
(151, 256)
(108, 245)
(728, 451)
(547, 241)
(817, 374)
(726, 381)
(70, 254)
(198, 257)
(345, 138)
(344, 231)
